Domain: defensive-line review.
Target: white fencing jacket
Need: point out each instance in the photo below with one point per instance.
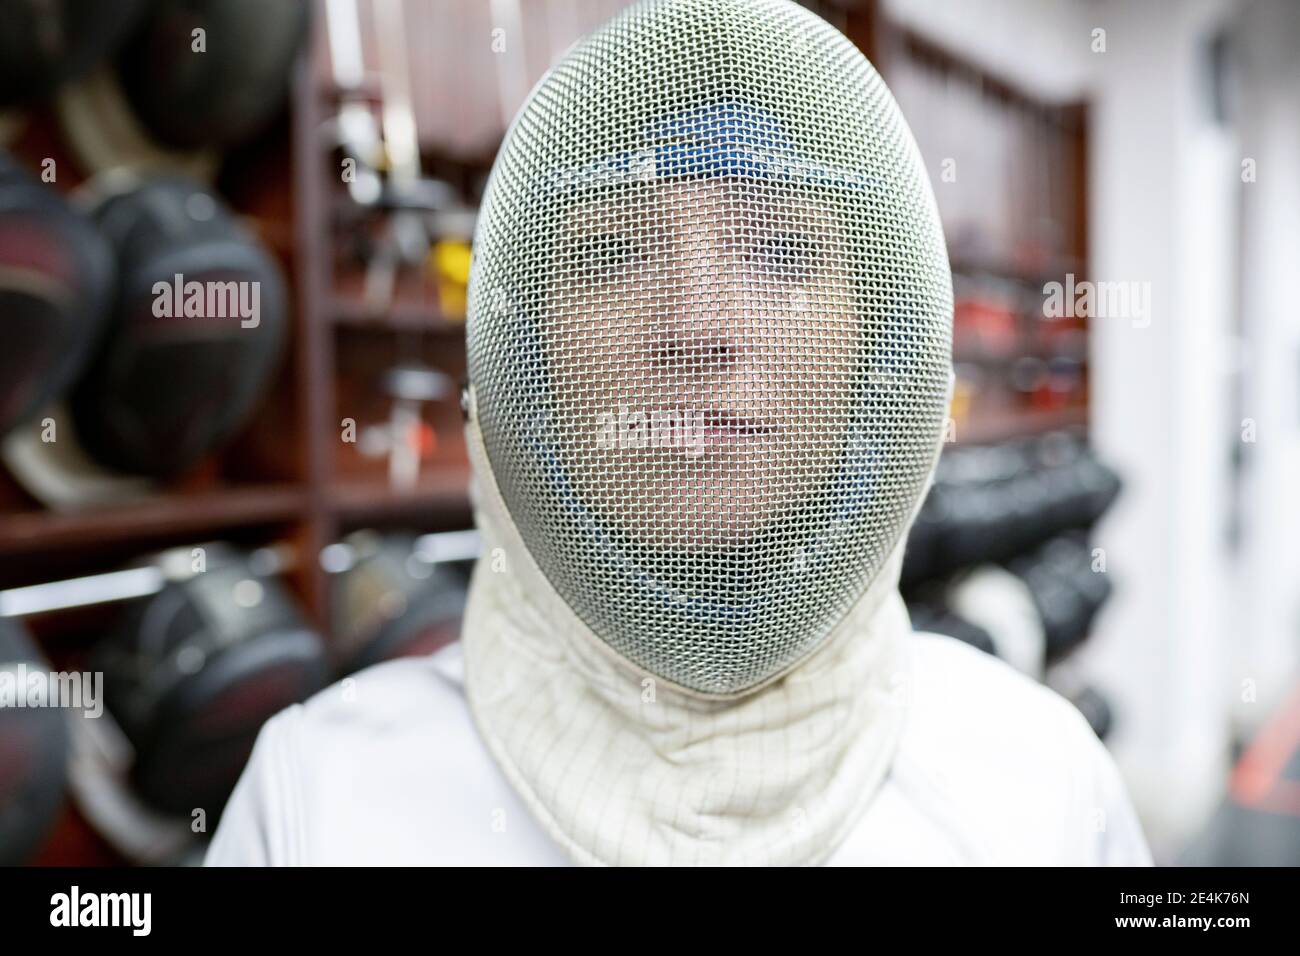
(388, 768)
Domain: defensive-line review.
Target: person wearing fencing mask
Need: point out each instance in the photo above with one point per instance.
(709, 371)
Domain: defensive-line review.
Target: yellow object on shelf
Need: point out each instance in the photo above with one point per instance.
(449, 261)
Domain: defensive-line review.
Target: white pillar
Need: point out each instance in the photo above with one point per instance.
(1162, 198)
(1267, 643)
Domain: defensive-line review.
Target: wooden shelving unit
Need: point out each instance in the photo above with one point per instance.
(203, 513)
(406, 315)
(439, 491)
(342, 493)
(281, 480)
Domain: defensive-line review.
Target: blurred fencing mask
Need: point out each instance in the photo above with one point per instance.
(709, 358)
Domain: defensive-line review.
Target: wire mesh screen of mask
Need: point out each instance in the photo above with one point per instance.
(709, 333)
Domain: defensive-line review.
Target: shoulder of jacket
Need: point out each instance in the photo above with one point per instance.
(1008, 765)
(386, 701)
(395, 698)
(360, 716)
(978, 726)
(951, 678)
(351, 744)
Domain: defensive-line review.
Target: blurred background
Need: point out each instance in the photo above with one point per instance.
(204, 521)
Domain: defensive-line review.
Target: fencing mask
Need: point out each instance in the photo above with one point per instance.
(709, 345)
(709, 334)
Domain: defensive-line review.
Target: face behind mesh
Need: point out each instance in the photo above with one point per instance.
(709, 333)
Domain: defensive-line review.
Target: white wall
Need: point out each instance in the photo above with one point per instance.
(1163, 190)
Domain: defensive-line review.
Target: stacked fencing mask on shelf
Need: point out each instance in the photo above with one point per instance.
(198, 330)
(196, 326)
(34, 746)
(219, 96)
(46, 42)
(56, 290)
(709, 355)
(192, 672)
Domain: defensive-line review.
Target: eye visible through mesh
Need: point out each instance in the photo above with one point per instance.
(709, 333)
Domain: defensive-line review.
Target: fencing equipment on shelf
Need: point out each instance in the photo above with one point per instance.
(710, 359)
